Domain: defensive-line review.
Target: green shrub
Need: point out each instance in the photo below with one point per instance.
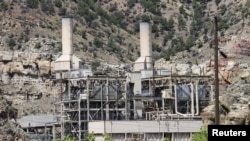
(38, 45)
(11, 43)
(107, 137)
(66, 138)
(32, 3)
(90, 137)
(201, 136)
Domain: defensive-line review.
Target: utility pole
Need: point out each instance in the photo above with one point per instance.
(217, 113)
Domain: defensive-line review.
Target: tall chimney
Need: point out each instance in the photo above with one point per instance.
(146, 43)
(145, 60)
(67, 36)
(67, 60)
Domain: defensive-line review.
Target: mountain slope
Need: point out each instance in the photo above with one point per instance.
(108, 31)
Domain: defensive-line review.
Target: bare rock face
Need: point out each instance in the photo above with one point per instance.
(44, 67)
(236, 117)
(232, 112)
(9, 129)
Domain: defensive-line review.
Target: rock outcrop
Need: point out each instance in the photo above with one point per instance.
(9, 129)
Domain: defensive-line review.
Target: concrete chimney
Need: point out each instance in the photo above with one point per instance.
(67, 60)
(67, 25)
(145, 59)
(145, 40)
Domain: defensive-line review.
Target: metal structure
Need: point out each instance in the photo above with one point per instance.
(92, 98)
(107, 100)
(102, 103)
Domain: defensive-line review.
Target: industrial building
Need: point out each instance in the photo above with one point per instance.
(146, 104)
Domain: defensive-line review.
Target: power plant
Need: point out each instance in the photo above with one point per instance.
(147, 104)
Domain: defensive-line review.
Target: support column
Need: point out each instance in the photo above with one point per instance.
(107, 99)
(101, 102)
(192, 99)
(79, 118)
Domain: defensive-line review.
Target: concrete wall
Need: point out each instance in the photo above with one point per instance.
(135, 78)
(171, 126)
(62, 65)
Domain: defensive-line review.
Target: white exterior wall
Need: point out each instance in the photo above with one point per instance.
(62, 75)
(143, 63)
(171, 126)
(136, 79)
(138, 66)
(62, 65)
(75, 62)
(67, 36)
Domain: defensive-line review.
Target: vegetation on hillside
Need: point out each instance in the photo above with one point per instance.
(188, 24)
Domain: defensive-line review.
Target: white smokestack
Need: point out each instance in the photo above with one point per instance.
(145, 60)
(145, 40)
(67, 60)
(67, 25)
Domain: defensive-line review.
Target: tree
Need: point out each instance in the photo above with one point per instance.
(90, 136)
(62, 11)
(67, 138)
(95, 64)
(189, 43)
(58, 3)
(3, 6)
(38, 45)
(47, 7)
(107, 137)
(11, 43)
(181, 22)
(202, 135)
(166, 139)
(32, 3)
(130, 3)
(217, 2)
(84, 35)
(97, 42)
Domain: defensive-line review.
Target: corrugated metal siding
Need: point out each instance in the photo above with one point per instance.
(146, 137)
(181, 137)
(174, 126)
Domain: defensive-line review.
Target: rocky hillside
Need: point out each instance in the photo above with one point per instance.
(9, 129)
(107, 31)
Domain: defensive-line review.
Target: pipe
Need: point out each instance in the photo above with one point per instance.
(211, 93)
(176, 107)
(197, 98)
(69, 84)
(79, 118)
(192, 99)
(192, 105)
